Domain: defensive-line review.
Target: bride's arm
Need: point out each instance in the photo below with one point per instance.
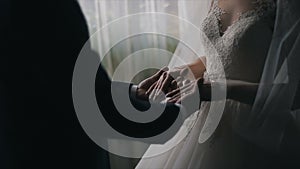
(244, 92)
(197, 67)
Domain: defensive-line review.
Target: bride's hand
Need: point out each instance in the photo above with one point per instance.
(144, 86)
(168, 82)
(185, 93)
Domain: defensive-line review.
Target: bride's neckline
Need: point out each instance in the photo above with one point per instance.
(256, 11)
(218, 12)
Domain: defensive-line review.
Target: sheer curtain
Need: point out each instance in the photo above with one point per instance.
(99, 13)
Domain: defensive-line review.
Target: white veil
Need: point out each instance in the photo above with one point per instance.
(272, 110)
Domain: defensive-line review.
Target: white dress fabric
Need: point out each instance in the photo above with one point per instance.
(242, 49)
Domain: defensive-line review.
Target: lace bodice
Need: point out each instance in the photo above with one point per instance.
(242, 48)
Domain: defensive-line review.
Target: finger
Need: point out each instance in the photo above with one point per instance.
(172, 93)
(174, 100)
(186, 82)
(179, 82)
(166, 83)
(185, 89)
(180, 98)
(159, 84)
(154, 90)
(158, 74)
(178, 79)
(178, 95)
(175, 72)
(152, 93)
(151, 88)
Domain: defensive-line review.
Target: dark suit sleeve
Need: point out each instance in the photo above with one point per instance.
(120, 123)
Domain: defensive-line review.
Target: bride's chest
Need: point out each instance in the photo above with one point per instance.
(241, 48)
(230, 41)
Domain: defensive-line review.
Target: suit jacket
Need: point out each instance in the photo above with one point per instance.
(40, 126)
(125, 126)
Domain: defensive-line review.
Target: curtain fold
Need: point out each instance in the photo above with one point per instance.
(99, 13)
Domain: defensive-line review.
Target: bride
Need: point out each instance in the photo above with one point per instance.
(240, 31)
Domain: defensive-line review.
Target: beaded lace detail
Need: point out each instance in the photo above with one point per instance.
(224, 46)
(260, 7)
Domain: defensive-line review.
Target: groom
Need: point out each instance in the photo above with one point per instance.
(37, 113)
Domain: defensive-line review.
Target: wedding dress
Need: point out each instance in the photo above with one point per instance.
(242, 50)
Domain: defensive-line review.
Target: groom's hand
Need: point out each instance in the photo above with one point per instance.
(168, 82)
(142, 91)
